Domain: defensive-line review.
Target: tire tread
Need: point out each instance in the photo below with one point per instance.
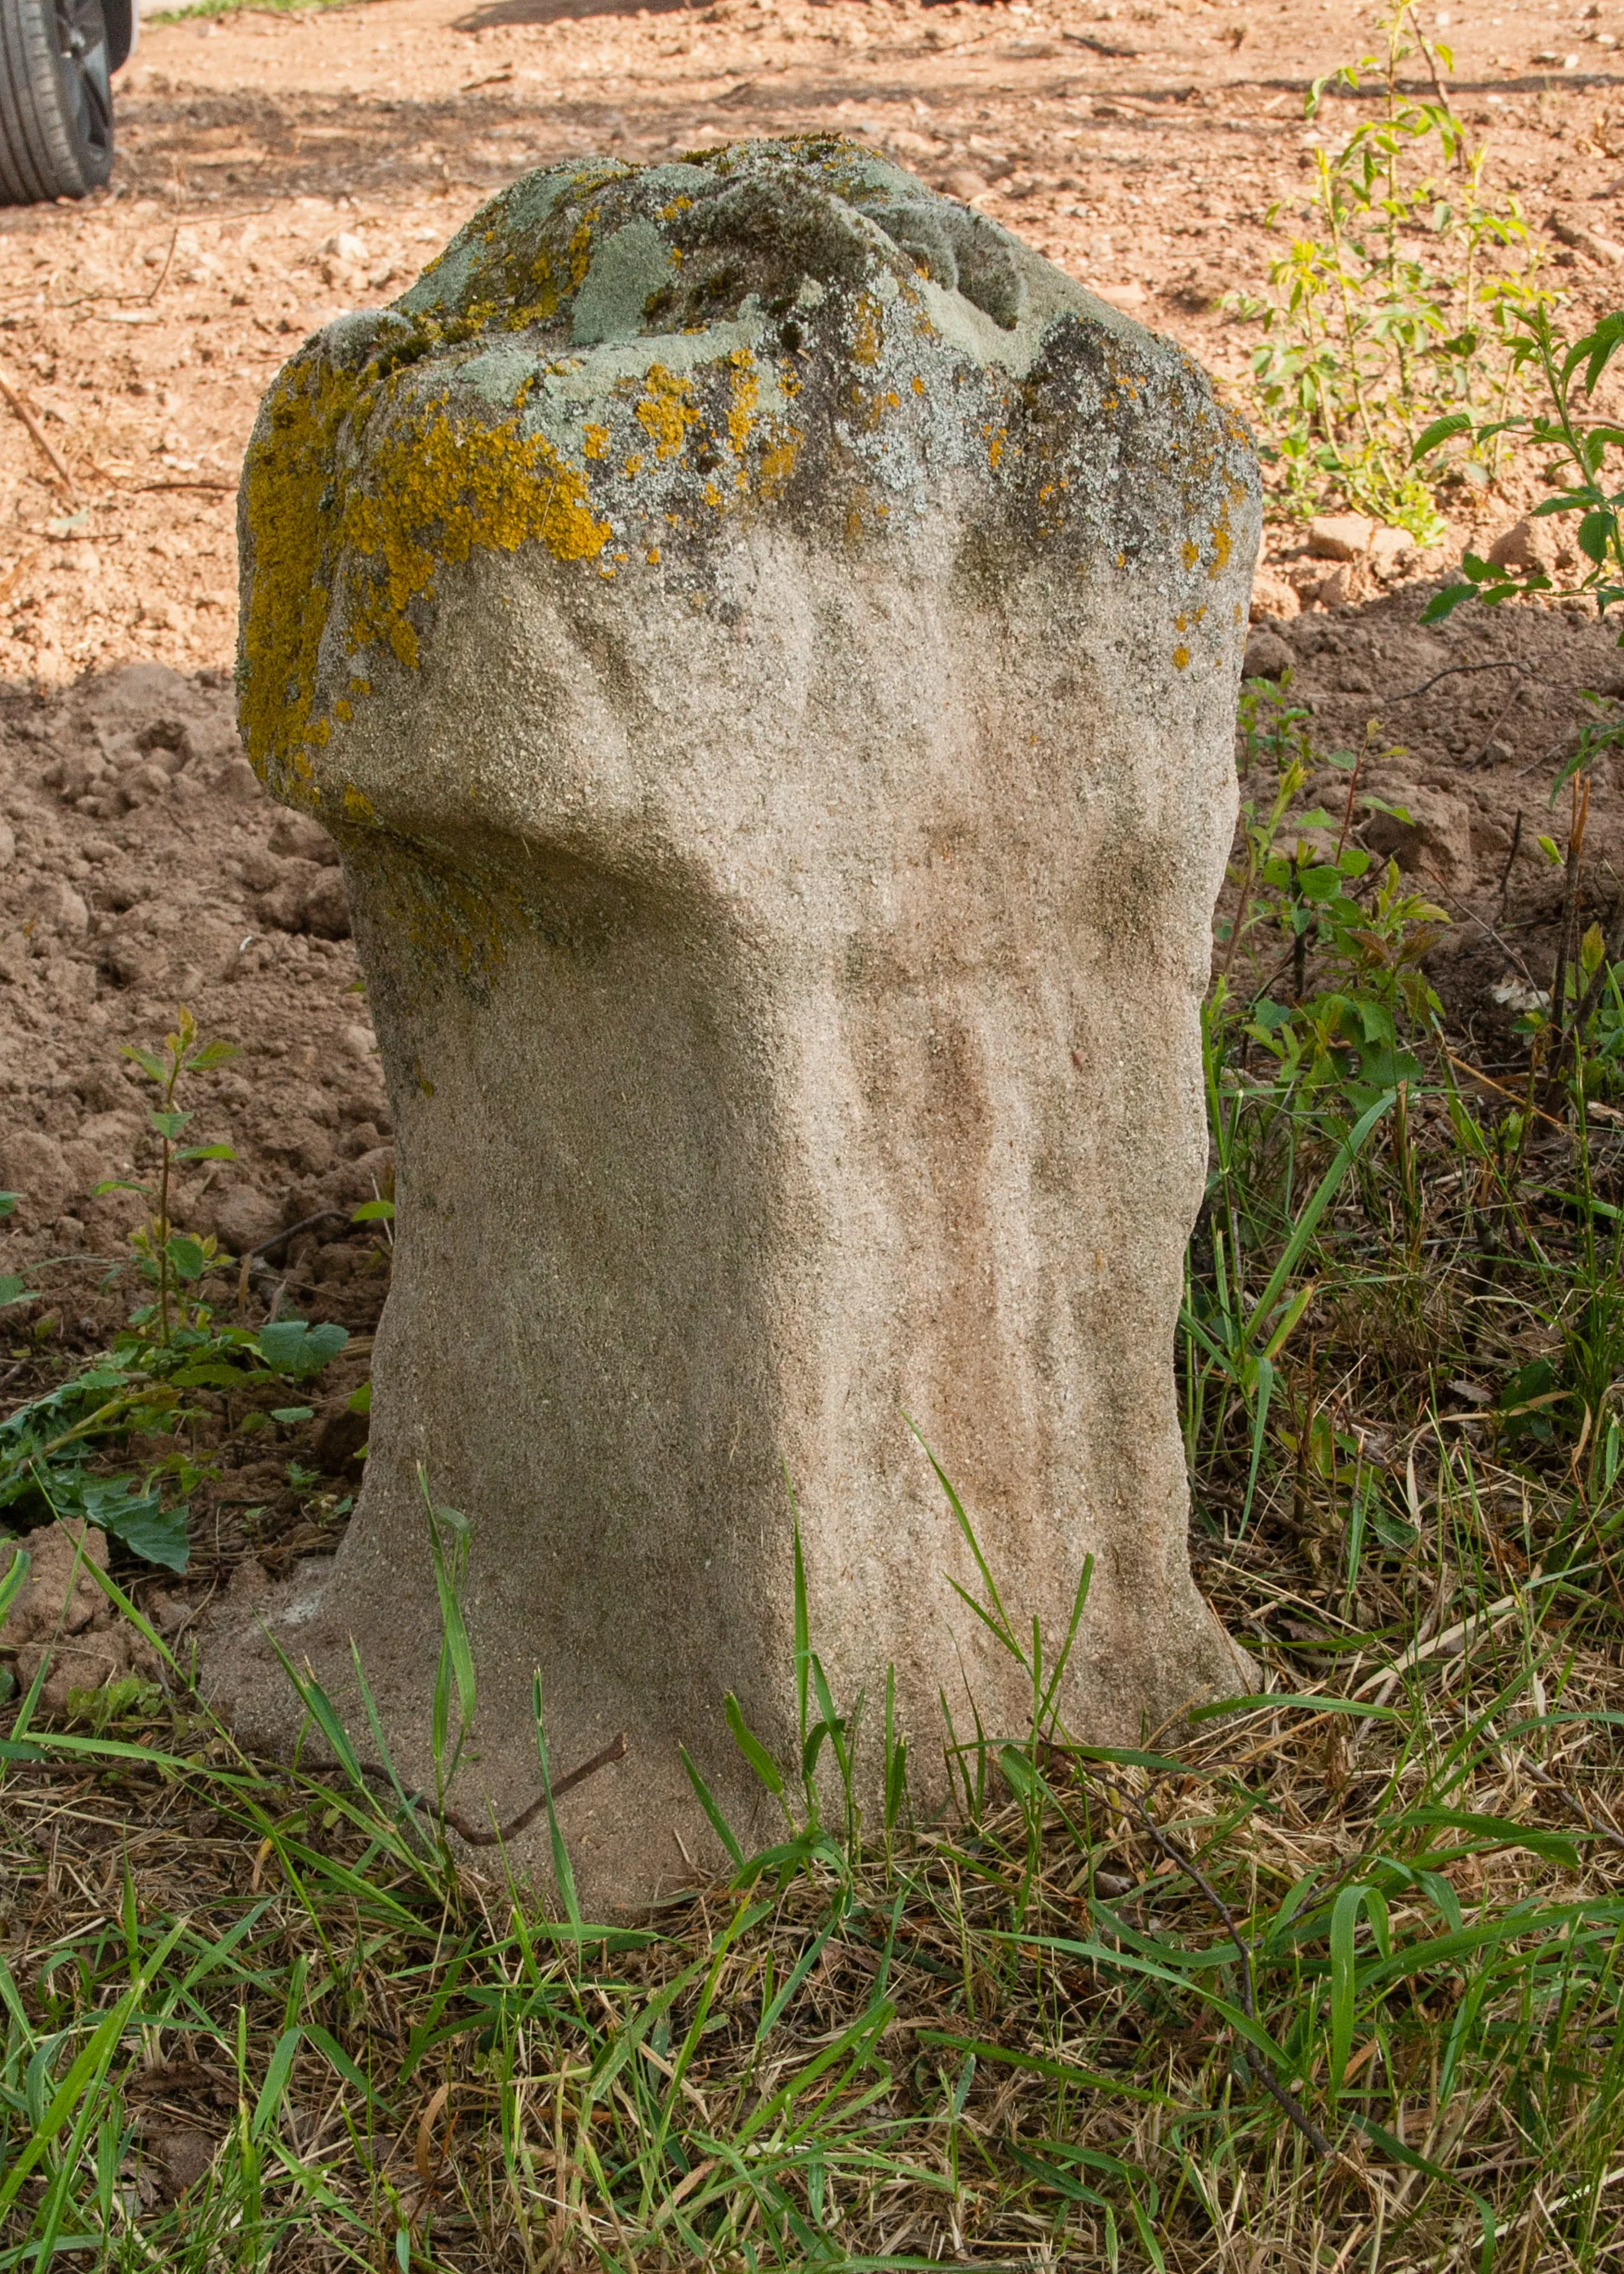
(39, 156)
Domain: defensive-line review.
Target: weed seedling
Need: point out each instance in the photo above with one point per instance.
(172, 1260)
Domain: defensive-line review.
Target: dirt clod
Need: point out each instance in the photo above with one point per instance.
(63, 1617)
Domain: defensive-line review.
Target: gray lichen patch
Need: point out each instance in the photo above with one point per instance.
(628, 271)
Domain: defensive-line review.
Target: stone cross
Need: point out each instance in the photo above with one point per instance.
(766, 642)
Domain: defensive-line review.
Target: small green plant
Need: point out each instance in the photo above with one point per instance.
(1577, 447)
(808, 1839)
(1578, 1024)
(1317, 923)
(1399, 305)
(1275, 729)
(172, 1260)
(52, 1446)
(49, 1446)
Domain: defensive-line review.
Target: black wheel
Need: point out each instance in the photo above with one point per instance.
(55, 100)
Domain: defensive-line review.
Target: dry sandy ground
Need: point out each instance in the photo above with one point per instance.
(275, 169)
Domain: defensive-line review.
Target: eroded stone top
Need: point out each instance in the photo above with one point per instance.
(629, 366)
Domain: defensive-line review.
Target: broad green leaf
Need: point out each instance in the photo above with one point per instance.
(156, 1533)
(1344, 1973)
(293, 1346)
(707, 1801)
(16, 1574)
(1492, 1832)
(1596, 534)
(186, 1256)
(275, 2082)
(1294, 1702)
(1440, 431)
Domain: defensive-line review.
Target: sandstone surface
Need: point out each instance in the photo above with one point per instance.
(766, 645)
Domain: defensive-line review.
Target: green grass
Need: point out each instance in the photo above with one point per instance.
(1338, 1968)
(1337, 1972)
(236, 7)
(1331, 1978)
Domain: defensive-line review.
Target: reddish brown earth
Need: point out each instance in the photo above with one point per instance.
(274, 169)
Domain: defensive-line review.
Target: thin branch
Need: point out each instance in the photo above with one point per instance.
(614, 1750)
(58, 462)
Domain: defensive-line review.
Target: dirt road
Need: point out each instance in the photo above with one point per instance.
(275, 169)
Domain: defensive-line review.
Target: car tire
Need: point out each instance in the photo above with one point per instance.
(55, 100)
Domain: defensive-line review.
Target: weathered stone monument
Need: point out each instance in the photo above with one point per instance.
(766, 643)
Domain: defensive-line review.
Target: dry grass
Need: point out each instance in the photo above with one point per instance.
(1029, 2038)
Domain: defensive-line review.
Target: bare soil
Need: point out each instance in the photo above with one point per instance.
(274, 169)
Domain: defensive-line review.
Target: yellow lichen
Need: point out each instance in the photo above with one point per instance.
(634, 465)
(868, 330)
(667, 411)
(1224, 543)
(595, 441)
(284, 474)
(545, 286)
(1181, 657)
(432, 492)
(744, 388)
(581, 250)
(438, 489)
(777, 463)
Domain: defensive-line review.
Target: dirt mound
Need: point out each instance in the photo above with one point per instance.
(1466, 724)
(144, 868)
